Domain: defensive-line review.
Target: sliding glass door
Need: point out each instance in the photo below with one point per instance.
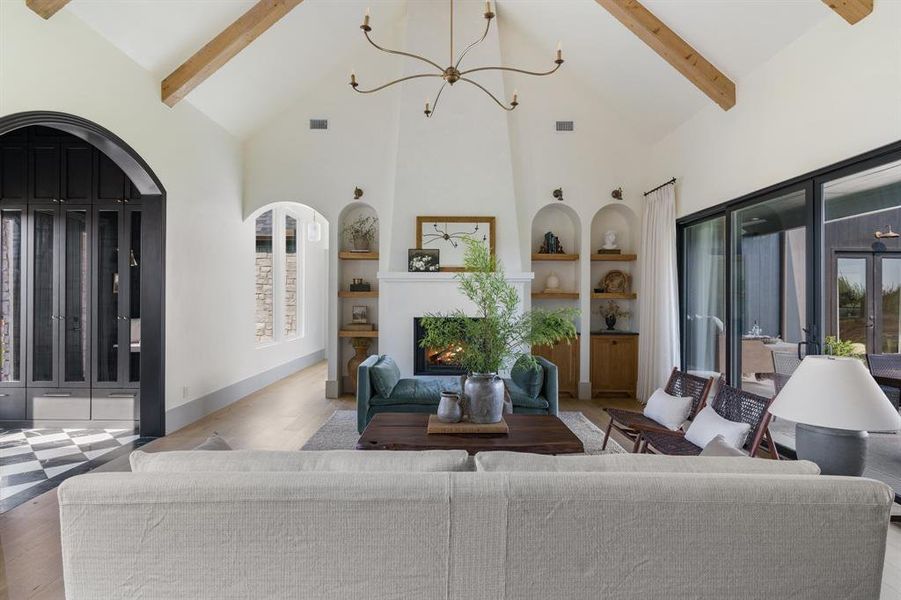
(704, 297)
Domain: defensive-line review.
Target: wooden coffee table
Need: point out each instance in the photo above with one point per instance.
(540, 434)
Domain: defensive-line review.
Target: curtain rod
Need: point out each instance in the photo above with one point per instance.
(673, 180)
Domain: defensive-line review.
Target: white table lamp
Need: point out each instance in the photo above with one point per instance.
(835, 401)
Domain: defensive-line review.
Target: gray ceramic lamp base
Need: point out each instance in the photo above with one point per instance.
(835, 451)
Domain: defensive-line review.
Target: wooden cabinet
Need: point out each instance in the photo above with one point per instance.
(566, 357)
(614, 364)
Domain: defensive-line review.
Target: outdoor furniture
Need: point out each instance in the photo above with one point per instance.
(631, 422)
(730, 403)
(886, 370)
(784, 364)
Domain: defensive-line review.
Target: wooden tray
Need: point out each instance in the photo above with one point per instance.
(436, 426)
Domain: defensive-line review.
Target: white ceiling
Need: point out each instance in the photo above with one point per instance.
(317, 38)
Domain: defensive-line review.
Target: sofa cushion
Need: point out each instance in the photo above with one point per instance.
(306, 460)
(520, 397)
(384, 375)
(640, 463)
(418, 390)
(529, 377)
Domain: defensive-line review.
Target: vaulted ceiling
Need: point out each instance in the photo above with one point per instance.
(319, 37)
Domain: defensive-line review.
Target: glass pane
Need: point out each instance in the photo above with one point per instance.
(107, 295)
(75, 333)
(134, 296)
(42, 297)
(851, 300)
(891, 293)
(10, 295)
(264, 279)
(705, 301)
(290, 276)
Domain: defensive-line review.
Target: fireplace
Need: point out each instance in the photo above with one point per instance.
(432, 361)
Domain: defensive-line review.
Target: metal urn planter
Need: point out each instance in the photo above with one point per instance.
(450, 409)
(485, 397)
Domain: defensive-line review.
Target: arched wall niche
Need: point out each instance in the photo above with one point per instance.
(563, 221)
(625, 222)
(619, 218)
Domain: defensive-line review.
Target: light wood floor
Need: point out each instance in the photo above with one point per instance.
(281, 416)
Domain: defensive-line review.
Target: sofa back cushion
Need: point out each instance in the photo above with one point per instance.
(640, 463)
(326, 460)
(529, 377)
(384, 375)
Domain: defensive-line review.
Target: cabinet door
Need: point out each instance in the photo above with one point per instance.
(44, 172)
(12, 314)
(600, 364)
(43, 309)
(77, 173)
(75, 299)
(111, 181)
(130, 264)
(14, 172)
(614, 364)
(106, 288)
(566, 357)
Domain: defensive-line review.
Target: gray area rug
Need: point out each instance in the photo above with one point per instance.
(340, 433)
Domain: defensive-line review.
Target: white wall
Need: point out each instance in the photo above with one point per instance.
(210, 341)
(833, 93)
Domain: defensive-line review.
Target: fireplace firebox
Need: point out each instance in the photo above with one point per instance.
(432, 361)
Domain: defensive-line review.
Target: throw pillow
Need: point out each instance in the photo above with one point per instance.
(668, 410)
(529, 377)
(718, 447)
(384, 375)
(214, 442)
(708, 424)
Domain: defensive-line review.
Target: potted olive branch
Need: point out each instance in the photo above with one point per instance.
(498, 333)
(361, 232)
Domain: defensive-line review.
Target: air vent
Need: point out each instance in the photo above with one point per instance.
(318, 123)
(564, 125)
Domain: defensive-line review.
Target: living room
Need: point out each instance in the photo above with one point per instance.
(322, 251)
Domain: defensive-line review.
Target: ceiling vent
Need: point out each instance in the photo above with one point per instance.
(564, 125)
(318, 123)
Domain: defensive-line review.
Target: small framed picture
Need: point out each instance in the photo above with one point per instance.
(360, 314)
(422, 261)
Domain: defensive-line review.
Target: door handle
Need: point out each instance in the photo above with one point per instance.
(122, 395)
(62, 395)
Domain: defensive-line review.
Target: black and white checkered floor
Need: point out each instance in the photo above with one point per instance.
(35, 460)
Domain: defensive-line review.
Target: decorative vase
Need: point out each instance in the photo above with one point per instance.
(485, 394)
(552, 282)
(449, 408)
(361, 244)
(361, 346)
(611, 322)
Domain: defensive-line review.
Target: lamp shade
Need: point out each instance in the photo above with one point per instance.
(836, 392)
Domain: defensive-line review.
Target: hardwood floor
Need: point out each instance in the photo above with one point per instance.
(281, 416)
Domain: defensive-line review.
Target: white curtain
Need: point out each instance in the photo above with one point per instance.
(659, 300)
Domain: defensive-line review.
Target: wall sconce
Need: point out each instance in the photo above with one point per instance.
(358, 193)
(558, 194)
(617, 194)
(881, 235)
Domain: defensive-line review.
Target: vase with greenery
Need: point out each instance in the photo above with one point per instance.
(361, 232)
(611, 312)
(498, 334)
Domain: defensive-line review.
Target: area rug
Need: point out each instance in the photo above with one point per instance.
(339, 432)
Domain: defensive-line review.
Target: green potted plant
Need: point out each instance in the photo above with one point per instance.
(361, 232)
(496, 335)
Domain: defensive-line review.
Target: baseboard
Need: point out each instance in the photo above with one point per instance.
(187, 413)
(332, 390)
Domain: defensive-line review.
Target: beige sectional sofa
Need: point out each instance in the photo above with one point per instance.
(349, 525)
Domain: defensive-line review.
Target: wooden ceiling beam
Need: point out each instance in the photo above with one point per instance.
(674, 50)
(222, 48)
(46, 8)
(851, 11)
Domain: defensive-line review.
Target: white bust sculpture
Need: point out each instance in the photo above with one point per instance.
(610, 240)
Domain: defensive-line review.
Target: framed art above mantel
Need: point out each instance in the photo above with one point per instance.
(446, 234)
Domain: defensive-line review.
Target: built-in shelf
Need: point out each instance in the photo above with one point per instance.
(347, 255)
(556, 295)
(614, 257)
(554, 257)
(358, 334)
(606, 296)
(348, 294)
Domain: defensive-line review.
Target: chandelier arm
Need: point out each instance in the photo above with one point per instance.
(515, 70)
(390, 83)
(490, 95)
(401, 53)
(437, 98)
(474, 44)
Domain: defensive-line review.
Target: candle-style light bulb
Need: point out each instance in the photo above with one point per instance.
(428, 110)
(487, 6)
(353, 77)
(366, 18)
(560, 51)
(515, 98)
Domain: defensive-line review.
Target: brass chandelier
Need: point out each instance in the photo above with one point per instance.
(451, 74)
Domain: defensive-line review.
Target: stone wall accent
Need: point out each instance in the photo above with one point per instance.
(291, 299)
(264, 297)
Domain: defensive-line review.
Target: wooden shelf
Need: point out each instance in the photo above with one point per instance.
(554, 257)
(358, 334)
(348, 294)
(555, 295)
(597, 296)
(614, 257)
(347, 255)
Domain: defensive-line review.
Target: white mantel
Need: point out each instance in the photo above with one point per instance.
(404, 296)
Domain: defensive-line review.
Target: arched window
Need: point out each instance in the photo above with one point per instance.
(279, 275)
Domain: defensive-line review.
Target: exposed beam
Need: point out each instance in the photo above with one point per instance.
(674, 50)
(218, 51)
(851, 11)
(46, 8)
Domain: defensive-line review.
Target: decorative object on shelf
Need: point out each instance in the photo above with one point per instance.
(558, 194)
(491, 342)
(358, 193)
(448, 233)
(358, 285)
(423, 261)
(361, 232)
(611, 312)
(615, 282)
(609, 240)
(835, 402)
(359, 314)
(551, 244)
(887, 234)
(361, 352)
(450, 409)
(451, 74)
(617, 194)
(314, 230)
(552, 283)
